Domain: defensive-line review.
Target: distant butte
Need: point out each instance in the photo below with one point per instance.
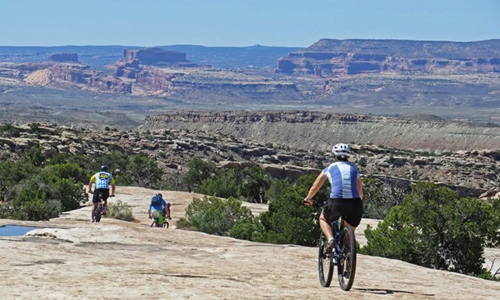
(64, 57)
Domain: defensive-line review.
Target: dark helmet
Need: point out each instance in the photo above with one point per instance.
(161, 196)
(104, 168)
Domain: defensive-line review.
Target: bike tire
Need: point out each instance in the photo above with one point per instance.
(156, 224)
(346, 267)
(325, 264)
(98, 214)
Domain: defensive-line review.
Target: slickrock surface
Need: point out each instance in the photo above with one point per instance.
(69, 258)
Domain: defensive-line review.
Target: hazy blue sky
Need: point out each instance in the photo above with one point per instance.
(297, 23)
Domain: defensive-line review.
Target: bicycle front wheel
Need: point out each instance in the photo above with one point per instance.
(325, 265)
(346, 267)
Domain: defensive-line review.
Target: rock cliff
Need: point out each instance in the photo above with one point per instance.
(470, 173)
(360, 75)
(329, 57)
(316, 130)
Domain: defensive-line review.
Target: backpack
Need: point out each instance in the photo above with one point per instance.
(156, 200)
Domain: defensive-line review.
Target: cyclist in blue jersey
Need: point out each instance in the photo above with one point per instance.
(346, 193)
(158, 204)
(102, 180)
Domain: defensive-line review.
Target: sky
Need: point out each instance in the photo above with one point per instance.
(289, 23)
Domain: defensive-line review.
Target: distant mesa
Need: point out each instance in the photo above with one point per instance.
(156, 57)
(64, 57)
(329, 57)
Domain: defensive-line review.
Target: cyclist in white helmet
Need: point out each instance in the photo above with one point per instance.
(346, 193)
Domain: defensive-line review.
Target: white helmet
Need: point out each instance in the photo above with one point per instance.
(342, 150)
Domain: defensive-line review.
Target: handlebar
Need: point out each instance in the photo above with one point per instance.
(315, 203)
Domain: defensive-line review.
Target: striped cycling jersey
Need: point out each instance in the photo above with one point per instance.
(343, 177)
(102, 180)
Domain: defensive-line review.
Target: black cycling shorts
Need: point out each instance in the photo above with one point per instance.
(104, 192)
(351, 208)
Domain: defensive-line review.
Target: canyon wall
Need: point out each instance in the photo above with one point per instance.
(315, 130)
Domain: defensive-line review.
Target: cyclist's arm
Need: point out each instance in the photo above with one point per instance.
(360, 188)
(92, 180)
(315, 188)
(166, 209)
(112, 190)
(112, 184)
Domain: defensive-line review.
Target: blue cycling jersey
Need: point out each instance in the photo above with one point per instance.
(158, 207)
(343, 177)
(102, 180)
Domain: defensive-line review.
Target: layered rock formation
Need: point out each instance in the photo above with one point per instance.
(470, 173)
(69, 75)
(329, 57)
(163, 75)
(315, 130)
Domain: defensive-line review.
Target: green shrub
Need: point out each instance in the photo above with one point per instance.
(435, 228)
(243, 230)
(362, 162)
(288, 220)
(214, 215)
(32, 203)
(9, 130)
(199, 170)
(255, 183)
(120, 211)
(222, 185)
(380, 196)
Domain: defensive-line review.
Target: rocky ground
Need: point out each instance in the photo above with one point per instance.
(69, 258)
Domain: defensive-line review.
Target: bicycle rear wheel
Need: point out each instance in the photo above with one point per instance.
(325, 265)
(98, 213)
(346, 267)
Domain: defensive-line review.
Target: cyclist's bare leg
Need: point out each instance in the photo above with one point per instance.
(94, 206)
(352, 227)
(326, 227)
(167, 212)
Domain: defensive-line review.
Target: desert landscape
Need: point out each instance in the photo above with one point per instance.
(411, 109)
(69, 258)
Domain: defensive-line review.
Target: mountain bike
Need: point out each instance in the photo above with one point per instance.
(343, 256)
(99, 210)
(159, 220)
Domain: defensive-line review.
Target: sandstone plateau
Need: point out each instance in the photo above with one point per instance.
(367, 76)
(68, 258)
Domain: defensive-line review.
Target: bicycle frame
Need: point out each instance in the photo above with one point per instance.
(343, 255)
(337, 229)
